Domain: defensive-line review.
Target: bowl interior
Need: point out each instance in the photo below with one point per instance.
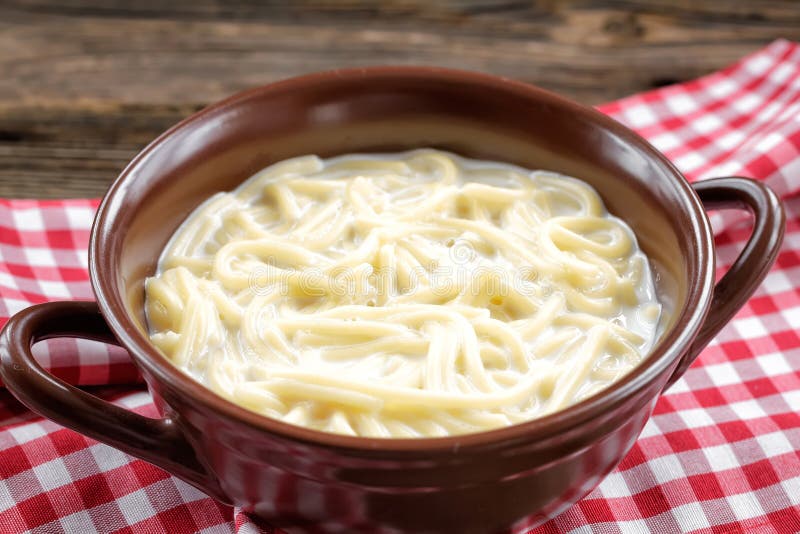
(392, 109)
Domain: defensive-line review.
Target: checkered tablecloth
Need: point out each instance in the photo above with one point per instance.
(720, 453)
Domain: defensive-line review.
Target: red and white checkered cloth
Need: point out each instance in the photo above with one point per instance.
(720, 453)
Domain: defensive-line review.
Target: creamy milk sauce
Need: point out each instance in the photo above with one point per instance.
(403, 295)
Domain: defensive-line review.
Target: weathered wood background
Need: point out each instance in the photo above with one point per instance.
(84, 84)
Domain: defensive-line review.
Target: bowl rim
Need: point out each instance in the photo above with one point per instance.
(665, 355)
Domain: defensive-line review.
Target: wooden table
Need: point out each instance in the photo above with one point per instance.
(85, 84)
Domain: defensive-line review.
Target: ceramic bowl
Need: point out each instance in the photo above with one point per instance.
(301, 479)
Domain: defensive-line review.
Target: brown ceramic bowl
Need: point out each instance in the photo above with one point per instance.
(299, 478)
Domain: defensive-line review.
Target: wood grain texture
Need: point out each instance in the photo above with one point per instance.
(86, 83)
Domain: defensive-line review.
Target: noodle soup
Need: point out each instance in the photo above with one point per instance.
(403, 295)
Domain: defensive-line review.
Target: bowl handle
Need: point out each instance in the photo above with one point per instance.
(158, 441)
(753, 263)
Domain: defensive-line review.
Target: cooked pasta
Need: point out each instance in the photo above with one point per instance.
(403, 295)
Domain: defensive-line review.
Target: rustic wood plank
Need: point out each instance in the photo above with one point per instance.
(86, 83)
(75, 152)
(586, 52)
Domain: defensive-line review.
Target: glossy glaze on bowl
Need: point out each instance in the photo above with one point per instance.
(300, 478)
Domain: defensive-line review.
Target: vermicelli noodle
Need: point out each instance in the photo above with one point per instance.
(403, 295)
